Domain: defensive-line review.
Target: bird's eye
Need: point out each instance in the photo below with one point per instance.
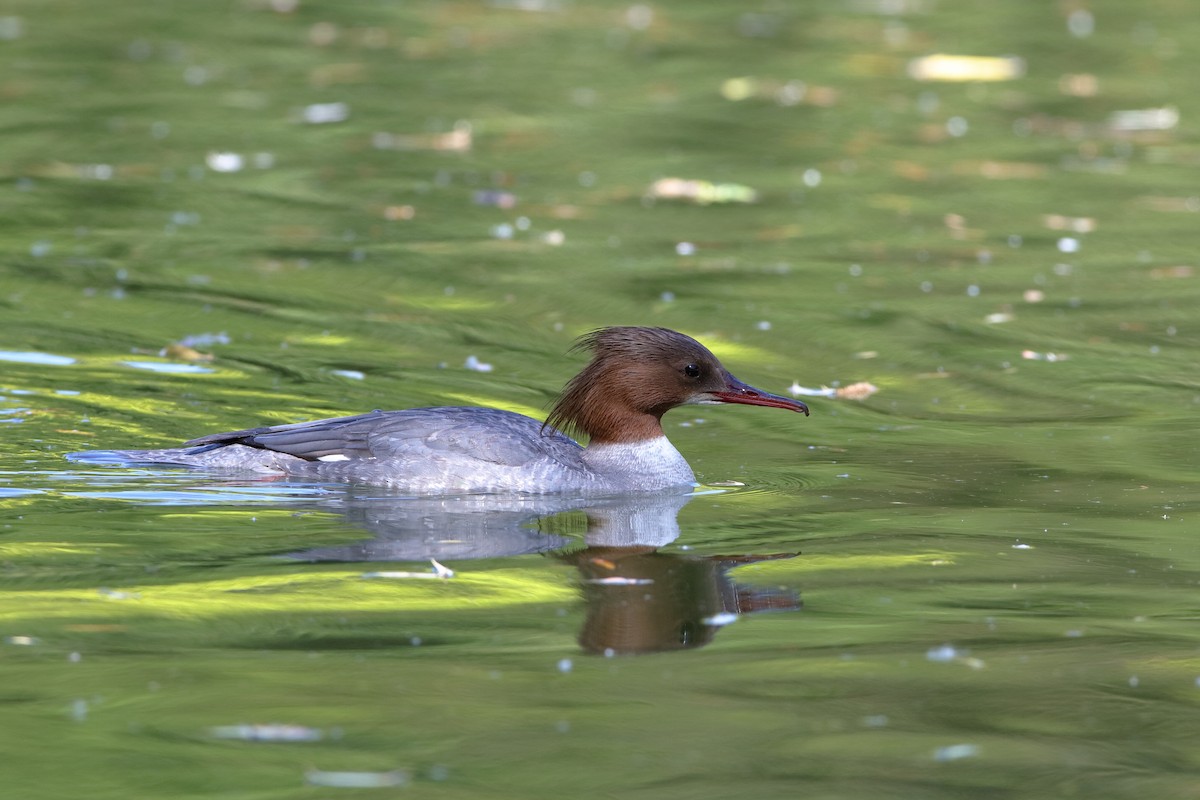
(692, 371)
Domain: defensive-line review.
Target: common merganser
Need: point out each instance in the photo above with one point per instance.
(635, 375)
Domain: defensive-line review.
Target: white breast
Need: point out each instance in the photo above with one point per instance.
(640, 466)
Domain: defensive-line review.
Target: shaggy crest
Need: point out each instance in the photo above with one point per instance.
(632, 368)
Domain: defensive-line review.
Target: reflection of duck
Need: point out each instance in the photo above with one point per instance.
(494, 526)
(634, 377)
(638, 599)
(642, 601)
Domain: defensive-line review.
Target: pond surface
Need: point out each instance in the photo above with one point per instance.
(970, 573)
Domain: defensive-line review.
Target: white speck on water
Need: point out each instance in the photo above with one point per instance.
(856, 270)
(926, 286)
(74, 657)
(875, 721)
(763, 325)
(270, 732)
(324, 113)
(667, 297)
(502, 231)
(685, 249)
(1062, 270)
(79, 711)
(1133, 681)
(1015, 241)
(973, 290)
(721, 620)
(957, 126)
(609, 652)
(475, 365)
(565, 665)
(955, 751)
(943, 654)
(357, 780)
(523, 223)
(811, 178)
(39, 249)
(1068, 244)
(1074, 633)
(225, 162)
(352, 374)
(562, 726)
(415, 641)
(1022, 546)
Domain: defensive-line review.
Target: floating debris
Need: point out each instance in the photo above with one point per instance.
(325, 113)
(225, 162)
(1033, 355)
(700, 191)
(1059, 222)
(998, 318)
(357, 780)
(439, 571)
(458, 140)
(955, 751)
(1144, 119)
(475, 365)
(22, 641)
(946, 652)
(854, 391)
(271, 732)
(399, 213)
(1033, 295)
(942, 67)
(182, 352)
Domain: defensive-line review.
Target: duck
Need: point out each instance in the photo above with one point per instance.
(633, 377)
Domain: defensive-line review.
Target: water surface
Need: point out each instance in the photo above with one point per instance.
(978, 580)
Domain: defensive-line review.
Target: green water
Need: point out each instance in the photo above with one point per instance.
(997, 562)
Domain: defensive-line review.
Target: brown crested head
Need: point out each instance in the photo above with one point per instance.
(638, 374)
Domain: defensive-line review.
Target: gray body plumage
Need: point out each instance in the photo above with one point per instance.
(448, 450)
